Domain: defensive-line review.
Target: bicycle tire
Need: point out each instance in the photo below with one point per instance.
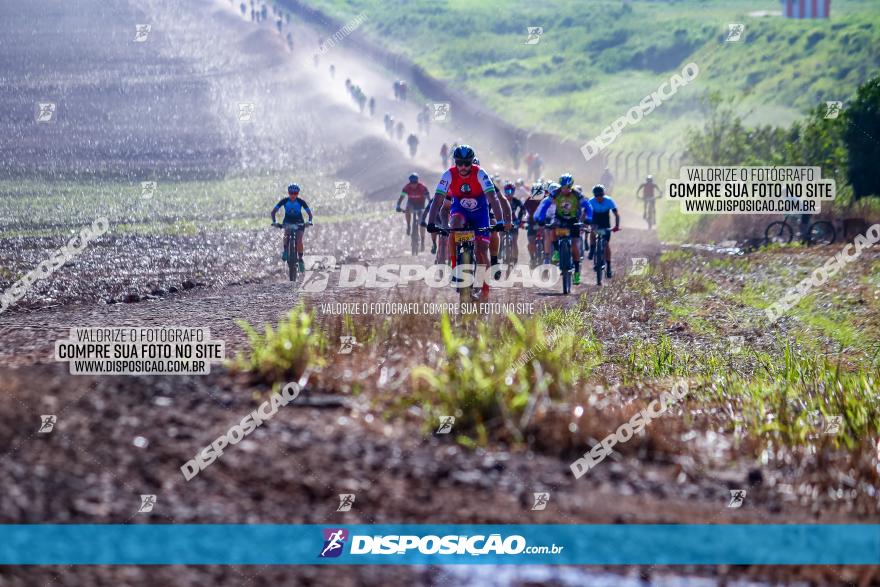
(465, 257)
(779, 232)
(414, 238)
(822, 233)
(565, 265)
(599, 260)
(291, 256)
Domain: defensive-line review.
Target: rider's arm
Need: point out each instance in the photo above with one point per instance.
(277, 207)
(491, 195)
(616, 218)
(541, 212)
(400, 199)
(639, 191)
(306, 208)
(439, 196)
(587, 210)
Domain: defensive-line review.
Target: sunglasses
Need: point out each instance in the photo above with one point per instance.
(463, 164)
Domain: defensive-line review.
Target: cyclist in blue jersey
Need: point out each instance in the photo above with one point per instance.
(293, 208)
(602, 207)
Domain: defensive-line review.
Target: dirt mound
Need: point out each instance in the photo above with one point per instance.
(375, 167)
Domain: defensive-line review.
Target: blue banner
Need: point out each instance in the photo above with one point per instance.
(270, 544)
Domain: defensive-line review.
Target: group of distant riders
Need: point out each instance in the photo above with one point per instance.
(467, 197)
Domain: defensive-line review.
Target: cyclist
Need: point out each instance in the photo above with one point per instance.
(648, 188)
(568, 211)
(495, 237)
(372, 106)
(399, 130)
(472, 194)
(444, 154)
(293, 208)
(603, 206)
(417, 194)
(607, 180)
(510, 196)
(527, 210)
(522, 192)
(413, 141)
(389, 125)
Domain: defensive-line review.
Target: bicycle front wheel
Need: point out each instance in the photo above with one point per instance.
(779, 232)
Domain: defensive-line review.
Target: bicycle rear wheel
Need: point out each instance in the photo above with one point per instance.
(779, 232)
(822, 233)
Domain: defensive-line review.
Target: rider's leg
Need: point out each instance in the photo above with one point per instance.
(514, 246)
(576, 253)
(548, 245)
(299, 243)
(408, 219)
(592, 245)
(608, 255)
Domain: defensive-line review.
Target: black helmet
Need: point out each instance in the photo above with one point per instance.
(598, 190)
(414, 177)
(464, 154)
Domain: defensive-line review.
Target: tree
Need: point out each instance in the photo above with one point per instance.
(862, 138)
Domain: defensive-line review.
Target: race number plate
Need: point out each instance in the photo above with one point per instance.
(461, 237)
(563, 231)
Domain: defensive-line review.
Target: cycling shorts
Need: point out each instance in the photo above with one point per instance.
(475, 212)
(595, 227)
(415, 205)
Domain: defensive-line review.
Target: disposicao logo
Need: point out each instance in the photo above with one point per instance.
(334, 542)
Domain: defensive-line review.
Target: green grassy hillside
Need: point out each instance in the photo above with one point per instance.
(597, 59)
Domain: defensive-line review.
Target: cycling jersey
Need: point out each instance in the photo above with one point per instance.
(602, 211)
(567, 208)
(468, 196)
(648, 189)
(416, 194)
(292, 210)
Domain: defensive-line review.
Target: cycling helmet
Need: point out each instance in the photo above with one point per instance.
(650, 178)
(464, 154)
(509, 189)
(598, 190)
(578, 190)
(553, 188)
(293, 188)
(537, 189)
(520, 182)
(566, 179)
(476, 161)
(414, 177)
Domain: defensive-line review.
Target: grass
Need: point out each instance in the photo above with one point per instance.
(283, 353)
(48, 208)
(596, 60)
(490, 382)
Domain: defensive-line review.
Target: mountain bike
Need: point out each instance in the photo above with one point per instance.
(462, 243)
(602, 235)
(292, 230)
(506, 252)
(563, 242)
(782, 232)
(650, 212)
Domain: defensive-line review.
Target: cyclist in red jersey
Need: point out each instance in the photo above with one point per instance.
(472, 194)
(416, 194)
